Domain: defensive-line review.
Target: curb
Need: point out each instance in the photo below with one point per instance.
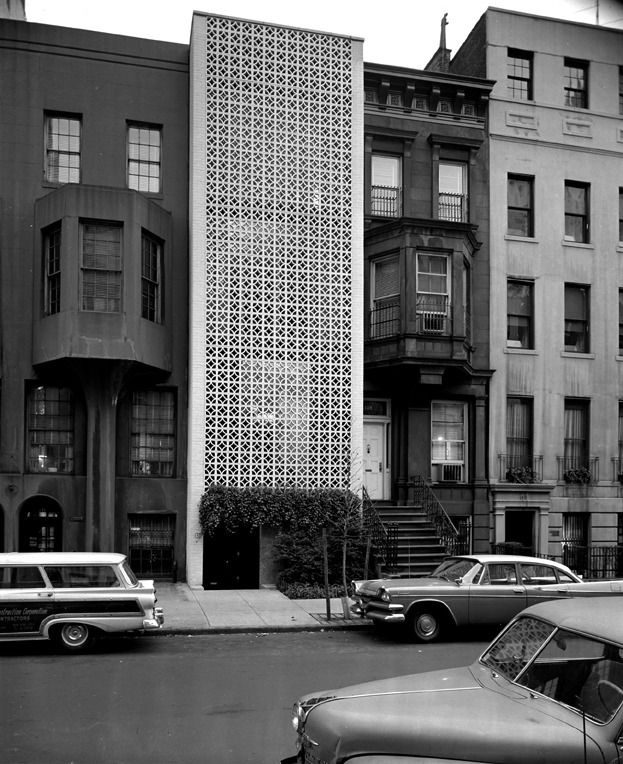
(177, 631)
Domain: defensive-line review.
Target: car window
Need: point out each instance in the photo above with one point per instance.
(81, 576)
(454, 568)
(583, 673)
(565, 578)
(537, 575)
(21, 577)
(499, 574)
(512, 650)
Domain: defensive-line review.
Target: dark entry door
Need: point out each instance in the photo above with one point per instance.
(40, 527)
(232, 560)
(520, 529)
(152, 545)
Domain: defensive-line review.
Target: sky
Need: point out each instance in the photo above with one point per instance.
(400, 33)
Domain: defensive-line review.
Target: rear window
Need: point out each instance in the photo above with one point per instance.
(21, 577)
(81, 576)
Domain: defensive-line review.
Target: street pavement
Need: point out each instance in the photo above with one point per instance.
(197, 611)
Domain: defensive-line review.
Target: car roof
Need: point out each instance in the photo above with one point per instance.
(597, 616)
(61, 558)
(508, 558)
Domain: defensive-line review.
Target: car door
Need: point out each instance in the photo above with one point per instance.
(25, 600)
(498, 596)
(534, 576)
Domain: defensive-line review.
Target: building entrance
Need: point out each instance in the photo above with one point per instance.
(232, 560)
(40, 526)
(520, 529)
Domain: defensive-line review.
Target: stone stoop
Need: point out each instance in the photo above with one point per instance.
(419, 549)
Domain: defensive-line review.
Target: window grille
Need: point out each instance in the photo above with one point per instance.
(151, 263)
(62, 149)
(51, 429)
(153, 434)
(101, 267)
(144, 158)
(52, 254)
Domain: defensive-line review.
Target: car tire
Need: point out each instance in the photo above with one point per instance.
(74, 637)
(425, 624)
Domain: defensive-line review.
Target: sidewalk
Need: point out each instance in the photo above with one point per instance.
(196, 611)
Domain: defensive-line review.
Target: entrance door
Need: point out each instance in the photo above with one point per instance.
(40, 526)
(232, 560)
(152, 545)
(374, 460)
(520, 529)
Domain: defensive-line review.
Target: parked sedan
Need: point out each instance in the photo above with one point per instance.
(548, 689)
(471, 590)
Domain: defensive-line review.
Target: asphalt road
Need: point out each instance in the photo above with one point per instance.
(213, 699)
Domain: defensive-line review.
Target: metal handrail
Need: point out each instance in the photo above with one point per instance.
(383, 537)
(436, 515)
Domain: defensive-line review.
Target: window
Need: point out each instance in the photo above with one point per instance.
(620, 466)
(621, 216)
(386, 186)
(576, 318)
(576, 83)
(101, 267)
(576, 434)
(51, 429)
(519, 432)
(448, 440)
(519, 70)
(151, 264)
(520, 206)
(620, 321)
(519, 307)
(385, 318)
(153, 433)
(576, 212)
(62, 148)
(453, 192)
(144, 158)
(620, 89)
(52, 265)
(432, 293)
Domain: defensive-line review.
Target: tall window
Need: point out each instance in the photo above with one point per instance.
(620, 89)
(621, 216)
(519, 71)
(576, 318)
(62, 148)
(448, 440)
(520, 206)
(576, 433)
(519, 431)
(576, 83)
(620, 470)
(386, 186)
(385, 314)
(153, 433)
(520, 310)
(101, 267)
(151, 264)
(52, 266)
(576, 211)
(620, 321)
(144, 158)
(432, 293)
(453, 192)
(50, 429)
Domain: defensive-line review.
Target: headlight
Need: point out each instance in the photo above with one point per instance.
(384, 595)
(298, 716)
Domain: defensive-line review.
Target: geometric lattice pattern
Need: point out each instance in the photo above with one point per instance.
(278, 235)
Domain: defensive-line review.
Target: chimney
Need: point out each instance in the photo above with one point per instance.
(13, 9)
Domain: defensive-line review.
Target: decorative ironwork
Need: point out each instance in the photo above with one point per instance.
(385, 320)
(277, 237)
(519, 469)
(594, 561)
(386, 201)
(384, 537)
(437, 516)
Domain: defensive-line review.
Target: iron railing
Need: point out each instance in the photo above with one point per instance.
(453, 207)
(386, 201)
(384, 537)
(594, 561)
(578, 470)
(520, 469)
(385, 320)
(437, 516)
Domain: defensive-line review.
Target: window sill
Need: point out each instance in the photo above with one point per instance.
(578, 244)
(527, 239)
(521, 351)
(572, 354)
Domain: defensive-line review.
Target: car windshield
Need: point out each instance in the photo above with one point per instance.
(582, 673)
(453, 568)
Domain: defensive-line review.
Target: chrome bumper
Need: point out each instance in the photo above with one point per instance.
(381, 615)
(155, 622)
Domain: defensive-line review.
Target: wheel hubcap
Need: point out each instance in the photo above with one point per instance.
(75, 634)
(427, 624)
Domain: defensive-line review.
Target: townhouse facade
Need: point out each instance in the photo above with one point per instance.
(555, 143)
(93, 294)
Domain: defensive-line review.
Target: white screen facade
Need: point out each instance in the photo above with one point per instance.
(277, 259)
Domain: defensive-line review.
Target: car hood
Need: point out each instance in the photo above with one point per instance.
(445, 714)
(402, 584)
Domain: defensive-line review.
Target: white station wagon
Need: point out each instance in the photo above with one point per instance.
(73, 597)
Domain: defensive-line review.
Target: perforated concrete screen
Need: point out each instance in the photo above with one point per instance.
(277, 258)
